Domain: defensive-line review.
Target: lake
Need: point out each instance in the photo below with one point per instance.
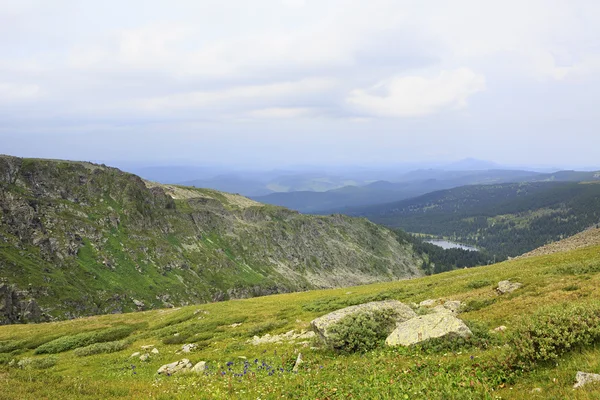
(445, 244)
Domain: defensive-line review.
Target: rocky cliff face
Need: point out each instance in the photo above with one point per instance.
(79, 239)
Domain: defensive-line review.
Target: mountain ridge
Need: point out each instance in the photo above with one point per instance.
(78, 238)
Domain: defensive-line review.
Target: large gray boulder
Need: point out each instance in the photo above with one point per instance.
(322, 324)
(419, 329)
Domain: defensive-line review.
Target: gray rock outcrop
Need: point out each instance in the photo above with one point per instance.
(583, 378)
(508, 286)
(419, 329)
(175, 367)
(322, 324)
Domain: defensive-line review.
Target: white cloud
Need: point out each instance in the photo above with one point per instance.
(280, 112)
(249, 94)
(11, 92)
(414, 96)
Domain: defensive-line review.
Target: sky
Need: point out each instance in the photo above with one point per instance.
(288, 82)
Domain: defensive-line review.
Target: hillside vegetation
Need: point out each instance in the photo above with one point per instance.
(80, 239)
(506, 220)
(560, 299)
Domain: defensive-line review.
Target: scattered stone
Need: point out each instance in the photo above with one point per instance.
(508, 286)
(136, 354)
(187, 348)
(453, 305)
(428, 303)
(155, 351)
(235, 325)
(536, 390)
(147, 347)
(199, 367)
(501, 328)
(298, 362)
(242, 357)
(139, 304)
(145, 357)
(322, 324)
(419, 329)
(583, 378)
(290, 336)
(177, 366)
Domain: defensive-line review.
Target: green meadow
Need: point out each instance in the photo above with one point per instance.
(551, 334)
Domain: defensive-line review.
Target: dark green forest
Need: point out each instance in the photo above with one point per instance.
(506, 219)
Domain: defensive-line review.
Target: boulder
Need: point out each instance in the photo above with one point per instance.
(425, 327)
(175, 367)
(322, 324)
(453, 305)
(583, 378)
(428, 303)
(199, 367)
(508, 286)
(187, 348)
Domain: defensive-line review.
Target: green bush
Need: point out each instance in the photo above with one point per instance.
(478, 284)
(38, 363)
(361, 332)
(554, 331)
(71, 342)
(474, 305)
(100, 348)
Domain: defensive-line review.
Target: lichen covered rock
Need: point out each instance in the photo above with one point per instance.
(419, 329)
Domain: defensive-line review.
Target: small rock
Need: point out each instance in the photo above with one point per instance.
(583, 378)
(187, 348)
(140, 304)
(453, 305)
(501, 328)
(199, 367)
(298, 362)
(536, 390)
(136, 354)
(235, 325)
(145, 357)
(147, 347)
(177, 366)
(508, 286)
(155, 351)
(428, 303)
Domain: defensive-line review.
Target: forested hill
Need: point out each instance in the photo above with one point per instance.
(506, 219)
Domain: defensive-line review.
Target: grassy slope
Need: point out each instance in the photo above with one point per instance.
(465, 373)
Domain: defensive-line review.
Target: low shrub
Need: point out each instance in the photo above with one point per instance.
(553, 331)
(478, 284)
(71, 342)
(361, 332)
(475, 305)
(101, 348)
(260, 329)
(37, 363)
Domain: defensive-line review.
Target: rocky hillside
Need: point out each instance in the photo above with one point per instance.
(80, 239)
(589, 237)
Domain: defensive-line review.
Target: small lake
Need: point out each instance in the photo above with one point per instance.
(445, 244)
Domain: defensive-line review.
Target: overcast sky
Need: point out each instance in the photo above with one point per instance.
(280, 82)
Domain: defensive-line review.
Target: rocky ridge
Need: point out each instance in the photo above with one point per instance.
(79, 239)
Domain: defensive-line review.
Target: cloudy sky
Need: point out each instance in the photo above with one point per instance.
(280, 82)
